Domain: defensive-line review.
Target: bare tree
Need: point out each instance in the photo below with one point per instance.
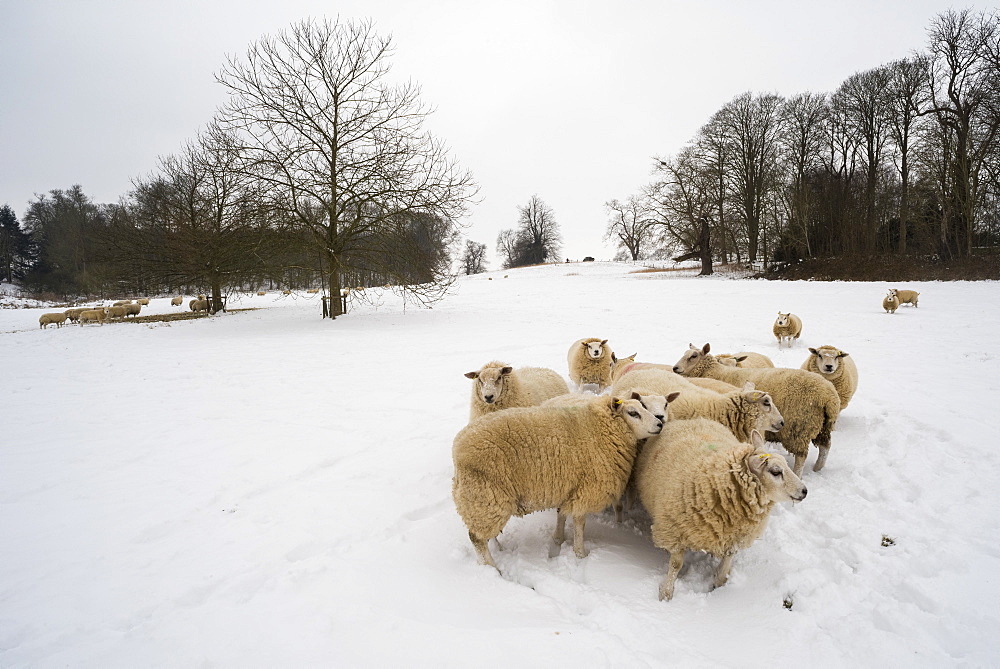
(630, 225)
(344, 151)
(964, 98)
(536, 238)
(802, 140)
(684, 195)
(474, 257)
(906, 97)
(507, 247)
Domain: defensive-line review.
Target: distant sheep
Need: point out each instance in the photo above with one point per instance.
(836, 367)
(116, 312)
(144, 301)
(177, 301)
(58, 317)
(197, 305)
(906, 296)
(261, 292)
(745, 359)
(313, 291)
(286, 292)
(787, 328)
(809, 403)
(121, 302)
(706, 491)
(93, 316)
(132, 309)
(590, 362)
(74, 314)
(575, 459)
(890, 302)
(499, 386)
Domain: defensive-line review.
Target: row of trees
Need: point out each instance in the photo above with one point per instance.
(903, 158)
(317, 167)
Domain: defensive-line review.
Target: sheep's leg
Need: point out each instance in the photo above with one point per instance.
(483, 550)
(722, 573)
(676, 562)
(619, 506)
(800, 463)
(559, 535)
(821, 460)
(579, 521)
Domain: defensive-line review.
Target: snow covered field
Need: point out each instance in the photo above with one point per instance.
(266, 488)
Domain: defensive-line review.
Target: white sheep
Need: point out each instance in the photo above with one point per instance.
(121, 302)
(837, 367)
(58, 317)
(787, 328)
(590, 361)
(744, 359)
(133, 309)
(890, 302)
(93, 316)
(198, 304)
(576, 459)
(116, 312)
(706, 491)
(809, 403)
(144, 301)
(74, 314)
(177, 301)
(742, 410)
(906, 296)
(499, 386)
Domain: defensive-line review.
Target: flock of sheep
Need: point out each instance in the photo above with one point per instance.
(119, 310)
(704, 476)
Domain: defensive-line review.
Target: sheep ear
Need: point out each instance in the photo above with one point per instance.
(758, 461)
(636, 396)
(742, 358)
(603, 342)
(616, 404)
(748, 386)
(583, 344)
(756, 440)
(843, 354)
(506, 370)
(813, 351)
(705, 349)
(614, 360)
(472, 375)
(672, 396)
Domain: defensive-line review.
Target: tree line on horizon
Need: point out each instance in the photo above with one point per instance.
(901, 159)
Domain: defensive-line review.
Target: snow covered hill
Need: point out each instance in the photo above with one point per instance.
(266, 488)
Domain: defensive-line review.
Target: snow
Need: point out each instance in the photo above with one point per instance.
(267, 488)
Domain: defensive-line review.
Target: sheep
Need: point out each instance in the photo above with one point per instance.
(576, 459)
(144, 301)
(741, 410)
(836, 367)
(499, 386)
(116, 312)
(618, 364)
(809, 403)
(197, 305)
(313, 291)
(890, 302)
(74, 314)
(706, 491)
(121, 302)
(93, 315)
(744, 359)
(906, 296)
(133, 309)
(286, 292)
(177, 301)
(714, 385)
(590, 362)
(58, 317)
(787, 328)
(261, 293)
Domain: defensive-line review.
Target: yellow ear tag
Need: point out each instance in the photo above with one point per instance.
(756, 396)
(764, 456)
(618, 403)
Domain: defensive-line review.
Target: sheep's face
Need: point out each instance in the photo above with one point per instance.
(490, 382)
(892, 294)
(783, 320)
(779, 482)
(827, 359)
(656, 405)
(595, 349)
(768, 416)
(641, 421)
(691, 359)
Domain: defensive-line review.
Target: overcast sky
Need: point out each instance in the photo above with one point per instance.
(567, 100)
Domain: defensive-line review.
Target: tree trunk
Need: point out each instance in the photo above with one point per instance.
(333, 264)
(705, 244)
(216, 304)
